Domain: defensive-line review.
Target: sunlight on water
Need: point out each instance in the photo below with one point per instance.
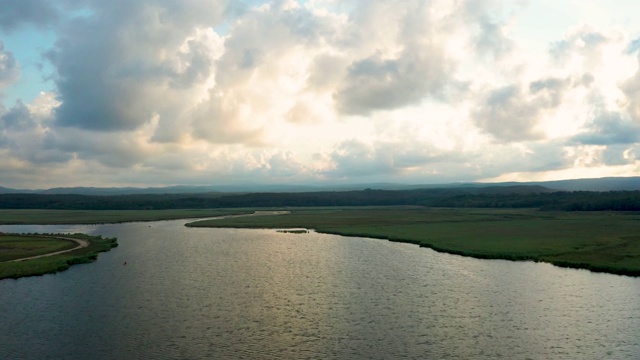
(229, 293)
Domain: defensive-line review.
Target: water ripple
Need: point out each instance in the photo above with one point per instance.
(189, 293)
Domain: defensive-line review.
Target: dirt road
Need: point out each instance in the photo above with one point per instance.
(81, 244)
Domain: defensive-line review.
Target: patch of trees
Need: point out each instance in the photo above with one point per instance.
(488, 197)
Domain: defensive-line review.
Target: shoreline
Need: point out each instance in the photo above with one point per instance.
(562, 264)
(86, 252)
(595, 242)
(603, 242)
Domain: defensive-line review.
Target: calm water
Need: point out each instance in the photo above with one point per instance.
(233, 294)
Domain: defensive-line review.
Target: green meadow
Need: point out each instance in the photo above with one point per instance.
(13, 246)
(53, 217)
(597, 241)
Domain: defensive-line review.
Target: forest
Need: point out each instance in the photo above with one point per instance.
(464, 197)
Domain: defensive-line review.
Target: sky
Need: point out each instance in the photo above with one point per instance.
(317, 92)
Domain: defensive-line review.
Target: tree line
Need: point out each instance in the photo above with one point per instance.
(487, 197)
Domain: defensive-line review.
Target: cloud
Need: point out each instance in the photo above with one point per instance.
(326, 71)
(18, 117)
(489, 31)
(588, 47)
(218, 120)
(355, 158)
(631, 89)
(376, 83)
(413, 161)
(262, 76)
(510, 114)
(402, 63)
(303, 112)
(263, 36)
(174, 91)
(616, 155)
(9, 68)
(584, 40)
(24, 134)
(14, 14)
(610, 129)
(127, 62)
(634, 46)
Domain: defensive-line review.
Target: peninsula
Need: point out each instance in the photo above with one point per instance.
(38, 254)
(601, 241)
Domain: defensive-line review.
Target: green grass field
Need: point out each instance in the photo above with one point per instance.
(20, 246)
(598, 241)
(13, 246)
(52, 217)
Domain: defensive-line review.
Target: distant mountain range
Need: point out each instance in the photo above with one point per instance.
(600, 184)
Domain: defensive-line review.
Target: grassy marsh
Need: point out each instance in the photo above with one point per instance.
(597, 241)
(14, 246)
(52, 217)
(19, 246)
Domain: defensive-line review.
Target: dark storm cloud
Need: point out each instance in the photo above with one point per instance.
(610, 129)
(15, 13)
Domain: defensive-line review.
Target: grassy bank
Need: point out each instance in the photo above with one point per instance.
(53, 217)
(17, 246)
(597, 241)
(20, 246)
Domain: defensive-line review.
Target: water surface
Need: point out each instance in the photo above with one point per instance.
(192, 293)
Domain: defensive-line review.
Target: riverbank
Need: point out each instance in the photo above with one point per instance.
(597, 241)
(39, 254)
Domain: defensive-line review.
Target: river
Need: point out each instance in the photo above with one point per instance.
(172, 292)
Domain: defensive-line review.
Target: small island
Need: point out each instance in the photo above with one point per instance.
(293, 231)
(38, 254)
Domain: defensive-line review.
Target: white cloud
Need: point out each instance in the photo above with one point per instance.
(148, 92)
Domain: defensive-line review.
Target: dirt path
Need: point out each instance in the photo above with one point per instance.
(81, 244)
(85, 243)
